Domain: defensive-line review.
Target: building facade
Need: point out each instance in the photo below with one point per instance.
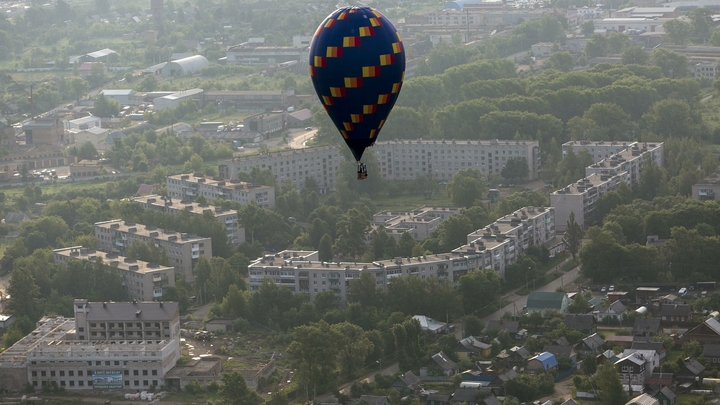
(143, 281)
(418, 223)
(182, 249)
(226, 217)
(189, 186)
(599, 150)
(631, 160)
(526, 227)
(707, 188)
(44, 131)
(581, 198)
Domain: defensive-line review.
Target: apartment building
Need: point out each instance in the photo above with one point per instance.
(182, 249)
(399, 160)
(143, 281)
(226, 217)
(526, 227)
(599, 150)
(419, 223)
(581, 198)
(190, 186)
(630, 160)
(110, 346)
(707, 188)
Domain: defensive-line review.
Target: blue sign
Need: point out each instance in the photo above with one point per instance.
(107, 380)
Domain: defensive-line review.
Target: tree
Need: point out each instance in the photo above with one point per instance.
(618, 42)
(467, 186)
(234, 390)
(702, 23)
(478, 289)
(354, 349)
(671, 63)
(325, 249)
(78, 87)
(573, 236)
(473, 326)
(608, 381)
(562, 61)
(715, 38)
(587, 28)
(635, 55)
(678, 31)
(351, 230)
(106, 108)
(589, 365)
(24, 294)
(596, 46)
(314, 354)
(516, 169)
(195, 164)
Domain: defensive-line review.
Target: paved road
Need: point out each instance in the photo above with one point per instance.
(299, 138)
(345, 388)
(519, 301)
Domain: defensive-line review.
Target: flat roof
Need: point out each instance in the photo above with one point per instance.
(118, 92)
(167, 203)
(588, 183)
(149, 231)
(131, 311)
(211, 182)
(182, 94)
(110, 259)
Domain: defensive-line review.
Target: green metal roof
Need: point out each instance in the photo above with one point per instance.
(545, 300)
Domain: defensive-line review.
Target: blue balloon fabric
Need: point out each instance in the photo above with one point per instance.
(357, 65)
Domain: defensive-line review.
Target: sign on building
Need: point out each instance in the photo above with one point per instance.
(107, 380)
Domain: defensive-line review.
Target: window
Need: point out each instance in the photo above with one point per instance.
(135, 372)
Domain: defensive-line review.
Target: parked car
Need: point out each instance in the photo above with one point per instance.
(603, 289)
(612, 288)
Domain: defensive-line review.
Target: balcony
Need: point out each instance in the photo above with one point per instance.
(157, 293)
(195, 255)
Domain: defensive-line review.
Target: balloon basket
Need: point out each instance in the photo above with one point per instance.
(362, 172)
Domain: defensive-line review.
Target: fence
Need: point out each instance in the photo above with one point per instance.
(566, 373)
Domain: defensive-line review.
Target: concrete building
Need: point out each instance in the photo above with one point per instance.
(226, 217)
(44, 130)
(648, 12)
(299, 41)
(265, 123)
(631, 160)
(300, 119)
(174, 100)
(705, 69)
(599, 150)
(107, 346)
(123, 96)
(94, 135)
(143, 281)
(248, 54)
(526, 227)
(82, 123)
(182, 249)
(248, 100)
(185, 66)
(190, 186)
(581, 198)
(97, 56)
(458, 19)
(418, 223)
(542, 49)
(624, 24)
(399, 160)
(707, 188)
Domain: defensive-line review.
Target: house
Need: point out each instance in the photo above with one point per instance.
(585, 323)
(671, 313)
(570, 402)
(541, 363)
(660, 379)
(591, 344)
(615, 310)
(147, 189)
(430, 324)
(87, 68)
(300, 118)
(562, 352)
(439, 364)
(659, 347)
(491, 400)
(691, 371)
(647, 327)
(711, 353)
(465, 396)
(706, 332)
(643, 399)
(471, 347)
(512, 327)
(607, 355)
(651, 358)
(623, 341)
(375, 400)
(504, 377)
(6, 320)
(16, 217)
(219, 324)
(438, 399)
(665, 396)
(407, 383)
(515, 356)
(539, 301)
(632, 371)
(542, 49)
(10, 109)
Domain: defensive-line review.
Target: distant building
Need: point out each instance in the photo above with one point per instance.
(88, 67)
(299, 119)
(82, 123)
(6, 320)
(625, 24)
(122, 96)
(94, 135)
(644, 399)
(265, 123)
(189, 187)
(185, 66)
(631, 160)
(707, 188)
(85, 168)
(248, 100)
(97, 56)
(249, 54)
(706, 70)
(543, 362)
(45, 130)
(542, 49)
(539, 301)
(418, 223)
(648, 12)
(174, 100)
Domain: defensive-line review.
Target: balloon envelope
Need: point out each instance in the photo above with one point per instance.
(357, 65)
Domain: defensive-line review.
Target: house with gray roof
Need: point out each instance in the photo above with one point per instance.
(647, 327)
(585, 323)
(691, 371)
(658, 347)
(438, 399)
(439, 364)
(643, 399)
(665, 396)
(467, 396)
(539, 301)
(16, 217)
(512, 327)
(562, 352)
(406, 383)
(543, 362)
(375, 400)
(673, 313)
(591, 344)
(706, 332)
(711, 353)
(616, 310)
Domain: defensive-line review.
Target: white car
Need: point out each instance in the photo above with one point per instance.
(612, 288)
(603, 289)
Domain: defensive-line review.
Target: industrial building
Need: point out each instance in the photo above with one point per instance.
(142, 281)
(185, 66)
(191, 186)
(226, 217)
(249, 100)
(44, 130)
(122, 96)
(174, 100)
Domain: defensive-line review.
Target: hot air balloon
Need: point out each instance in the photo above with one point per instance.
(357, 65)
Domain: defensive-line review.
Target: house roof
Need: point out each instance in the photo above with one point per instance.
(508, 375)
(16, 217)
(593, 342)
(661, 378)
(617, 307)
(146, 189)
(101, 53)
(430, 324)
(473, 345)
(569, 402)
(118, 92)
(119, 311)
(713, 324)
(301, 115)
(374, 399)
(559, 351)
(465, 395)
(443, 361)
(520, 351)
(491, 400)
(643, 399)
(646, 325)
(510, 326)
(694, 366)
(711, 349)
(579, 321)
(675, 310)
(562, 341)
(647, 355)
(667, 392)
(547, 359)
(631, 358)
(409, 379)
(438, 397)
(545, 300)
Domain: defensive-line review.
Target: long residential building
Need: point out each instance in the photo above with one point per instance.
(226, 217)
(187, 187)
(302, 272)
(399, 160)
(599, 150)
(581, 198)
(707, 188)
(182, 249)
(631, 160)
(108, 346)
(418, 223)
(143, 281)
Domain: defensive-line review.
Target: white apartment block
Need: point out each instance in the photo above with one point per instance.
(107, 346)
(526, 227)
(226, 217)
(705, 69)
(455, 18)
(182, 249)
(419, 223)
(189, 186)
(599, 150)
(143, 281)
(581, 198)
(631, 160)
(707, 188)
(319, 163)
(399, 160)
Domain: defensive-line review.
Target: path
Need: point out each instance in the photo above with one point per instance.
(299, 138)
(370, 377)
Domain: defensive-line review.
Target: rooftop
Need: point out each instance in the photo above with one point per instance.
(131, 311)
(149, 231)
(589, 183)
(110, 259)
(212, 182)
(167, 203)
(118, 92)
